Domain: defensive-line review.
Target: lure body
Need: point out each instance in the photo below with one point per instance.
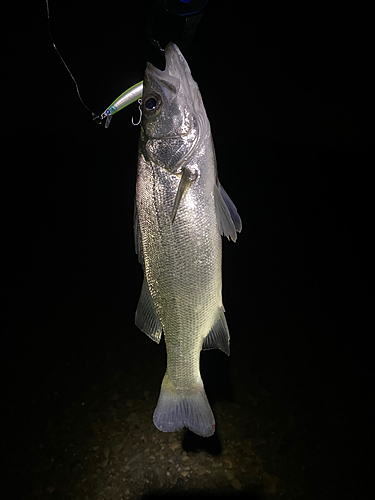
(128, 97)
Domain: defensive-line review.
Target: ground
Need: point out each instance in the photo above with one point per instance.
(80, 425)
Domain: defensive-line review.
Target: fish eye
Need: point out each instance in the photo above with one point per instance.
(152, 103)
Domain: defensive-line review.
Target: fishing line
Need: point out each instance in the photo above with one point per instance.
(95, 117)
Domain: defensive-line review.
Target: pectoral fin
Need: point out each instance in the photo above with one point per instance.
(187, 178)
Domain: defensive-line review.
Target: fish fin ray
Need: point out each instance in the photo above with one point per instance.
(145, 316)
(187, 179)
(228, 219)
(218, 336)
(176, 410)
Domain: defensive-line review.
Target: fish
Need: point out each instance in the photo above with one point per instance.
(181, 213)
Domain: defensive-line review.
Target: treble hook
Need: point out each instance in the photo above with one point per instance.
(140, 113)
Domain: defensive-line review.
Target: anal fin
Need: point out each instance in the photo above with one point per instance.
(218, 337)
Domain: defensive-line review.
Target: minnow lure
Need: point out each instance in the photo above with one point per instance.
(131, 95)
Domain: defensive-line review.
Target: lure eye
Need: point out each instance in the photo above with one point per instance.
(152, 104)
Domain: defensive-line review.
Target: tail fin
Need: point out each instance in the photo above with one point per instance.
(177, 409)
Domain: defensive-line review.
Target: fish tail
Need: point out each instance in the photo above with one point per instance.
(184, 408)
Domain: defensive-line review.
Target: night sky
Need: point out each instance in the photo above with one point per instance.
(286, 90)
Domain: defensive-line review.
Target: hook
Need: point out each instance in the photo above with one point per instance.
(140, 113)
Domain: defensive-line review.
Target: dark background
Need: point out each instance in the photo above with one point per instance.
(286, 89)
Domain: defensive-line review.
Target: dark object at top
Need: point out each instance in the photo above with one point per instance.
(182, 7)
(172, 20)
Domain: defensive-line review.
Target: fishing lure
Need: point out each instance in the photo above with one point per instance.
(131, 95)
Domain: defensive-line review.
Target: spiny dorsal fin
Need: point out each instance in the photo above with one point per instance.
(229, 222)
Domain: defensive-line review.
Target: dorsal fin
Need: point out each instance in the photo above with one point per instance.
(229, 222)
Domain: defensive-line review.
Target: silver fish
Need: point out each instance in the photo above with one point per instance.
(181, 212)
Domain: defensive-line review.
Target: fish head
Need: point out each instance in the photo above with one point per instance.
(174, 120)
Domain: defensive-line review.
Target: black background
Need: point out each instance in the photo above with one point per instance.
(286, 89)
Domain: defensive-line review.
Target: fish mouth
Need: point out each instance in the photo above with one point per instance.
(176, 74)
(175, 63)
